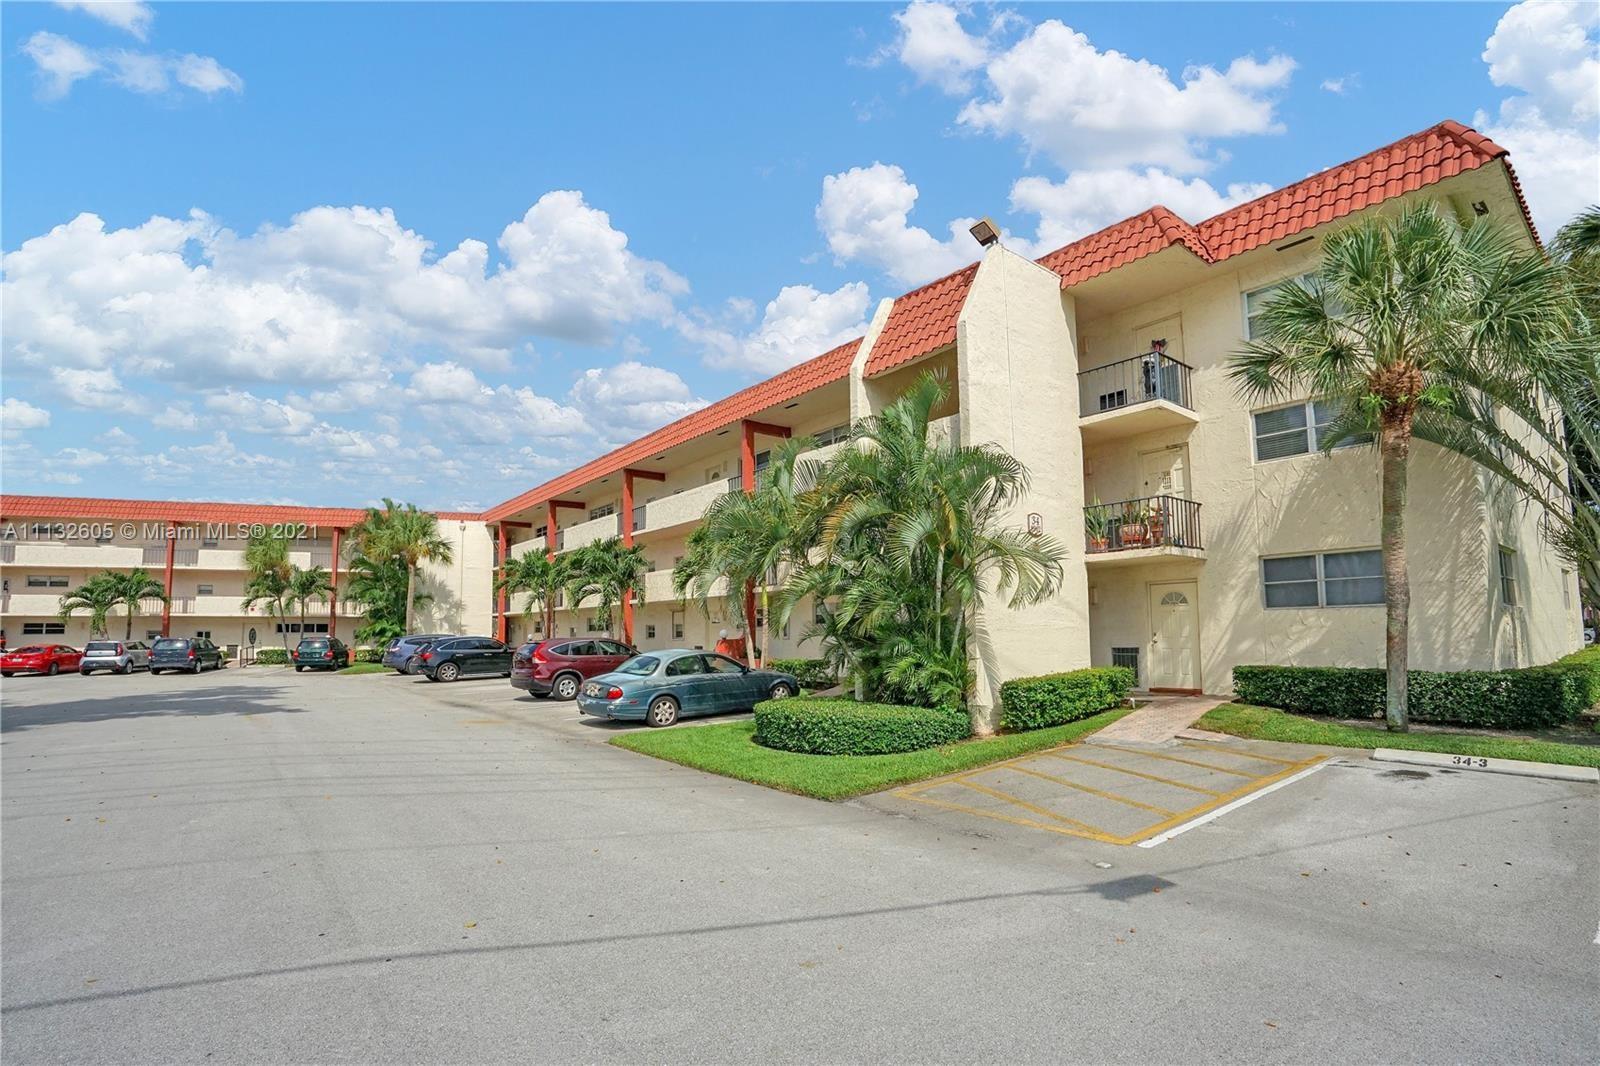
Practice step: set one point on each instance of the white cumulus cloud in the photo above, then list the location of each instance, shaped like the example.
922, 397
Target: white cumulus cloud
17, 416
132, 16
799, 323
1550, 53
60, 62
865, 215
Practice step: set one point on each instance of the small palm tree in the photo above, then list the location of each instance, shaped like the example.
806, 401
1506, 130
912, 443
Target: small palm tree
541, 578
379, 587
1405, 314
605, 570
133, 589
745, 538
97, 595
402, 532
269, 591
306, 585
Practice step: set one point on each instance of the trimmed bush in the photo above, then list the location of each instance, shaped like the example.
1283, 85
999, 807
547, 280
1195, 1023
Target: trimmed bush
366, 655
844, 727
812, 673
1586, 664
1530, 698
1055, 699
272, 657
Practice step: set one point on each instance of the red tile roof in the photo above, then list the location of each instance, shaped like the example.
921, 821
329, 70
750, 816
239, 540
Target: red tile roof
90, 508
921, 321
1409, 164
796, 381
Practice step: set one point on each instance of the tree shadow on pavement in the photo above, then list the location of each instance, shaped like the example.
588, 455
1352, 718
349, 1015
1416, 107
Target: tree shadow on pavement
202, 702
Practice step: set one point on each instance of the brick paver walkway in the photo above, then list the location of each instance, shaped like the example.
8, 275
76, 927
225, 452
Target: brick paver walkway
1163, 718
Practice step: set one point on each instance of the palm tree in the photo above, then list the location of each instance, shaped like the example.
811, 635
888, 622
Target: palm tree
306, 585
911, 531
97, 595
404, 533
132, 589
379, 587
1405, 314
606, 570
269, 591
745, 538
542, 578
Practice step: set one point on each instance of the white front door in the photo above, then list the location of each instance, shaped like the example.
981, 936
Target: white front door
1174, 635
1165, 472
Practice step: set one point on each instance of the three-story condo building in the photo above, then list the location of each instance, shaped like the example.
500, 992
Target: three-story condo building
1203, 533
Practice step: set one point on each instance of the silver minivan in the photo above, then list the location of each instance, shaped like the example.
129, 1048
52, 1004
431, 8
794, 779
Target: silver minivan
118, 656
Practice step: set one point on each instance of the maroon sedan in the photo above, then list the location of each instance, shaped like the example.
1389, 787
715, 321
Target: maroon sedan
557, 667
40, 659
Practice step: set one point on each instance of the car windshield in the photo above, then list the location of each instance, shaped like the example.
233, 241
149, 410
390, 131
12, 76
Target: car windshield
31, 649
640, 664
172, 642
313, 644
101, 645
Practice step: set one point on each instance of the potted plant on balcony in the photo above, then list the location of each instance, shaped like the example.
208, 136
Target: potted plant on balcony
1097, 527
1158, 521
1135, 525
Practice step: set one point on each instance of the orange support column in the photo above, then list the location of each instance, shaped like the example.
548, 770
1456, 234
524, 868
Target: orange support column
166, 608
550, 531
627, 539
333, 587
500, 595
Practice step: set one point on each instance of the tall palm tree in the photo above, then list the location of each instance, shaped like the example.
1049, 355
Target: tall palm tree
911, 531
402, 532
379, 587
541, 578
304, 586
133, 589
605, 570
745, 538
1405, 314
97, 595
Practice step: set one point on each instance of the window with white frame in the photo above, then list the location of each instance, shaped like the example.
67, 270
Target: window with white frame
43, 629
204, 590
1255, 301
832, 435
1326, 579
1298, 429
1508, 576
602, 511
593, 626
47, 581
650, 631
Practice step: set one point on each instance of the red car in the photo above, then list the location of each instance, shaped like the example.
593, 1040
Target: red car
557, 667
40, 659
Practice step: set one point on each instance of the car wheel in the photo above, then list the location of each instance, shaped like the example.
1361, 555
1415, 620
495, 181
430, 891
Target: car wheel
400, 670
781, 691
565, 687
128, 669
447, 672
53, 670
5, 673
298, 669
663, 712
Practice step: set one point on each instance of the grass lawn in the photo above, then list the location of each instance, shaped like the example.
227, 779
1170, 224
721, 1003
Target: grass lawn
1266, 723
730, 750
364, 668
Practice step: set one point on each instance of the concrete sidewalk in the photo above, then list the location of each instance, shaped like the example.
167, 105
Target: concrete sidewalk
1163, 718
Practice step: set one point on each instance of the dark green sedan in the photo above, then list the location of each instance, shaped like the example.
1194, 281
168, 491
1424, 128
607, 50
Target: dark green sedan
659, 687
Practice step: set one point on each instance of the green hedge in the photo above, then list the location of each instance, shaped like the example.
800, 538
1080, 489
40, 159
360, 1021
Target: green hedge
272, 657
366, 655
1586, 664
812, 673
1529, 698
844, 727
1055, 699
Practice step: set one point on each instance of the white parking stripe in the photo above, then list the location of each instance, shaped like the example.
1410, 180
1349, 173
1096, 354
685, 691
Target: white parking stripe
1162, 838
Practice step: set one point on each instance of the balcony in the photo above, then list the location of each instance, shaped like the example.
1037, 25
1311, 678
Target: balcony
1132, 396
54, 553
681, 508
1151, 527
526, 546
583, 533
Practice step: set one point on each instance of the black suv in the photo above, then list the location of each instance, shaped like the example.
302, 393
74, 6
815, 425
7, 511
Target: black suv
320, 653
193, 654
458, 657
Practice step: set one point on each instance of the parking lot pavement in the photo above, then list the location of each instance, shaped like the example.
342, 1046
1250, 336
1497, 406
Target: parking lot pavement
270, 867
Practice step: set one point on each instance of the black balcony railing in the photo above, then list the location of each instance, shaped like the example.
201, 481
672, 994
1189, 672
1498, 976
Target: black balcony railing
1142, 379
1148, 522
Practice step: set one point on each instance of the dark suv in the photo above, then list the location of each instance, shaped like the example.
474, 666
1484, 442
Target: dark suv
458, 657
558, 666
193, 654
320, 653
400, 653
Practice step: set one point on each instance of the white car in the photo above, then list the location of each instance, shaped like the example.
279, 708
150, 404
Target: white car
118, 656
1588, 634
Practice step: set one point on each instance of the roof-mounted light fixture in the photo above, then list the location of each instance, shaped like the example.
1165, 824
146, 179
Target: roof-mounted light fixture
984, 231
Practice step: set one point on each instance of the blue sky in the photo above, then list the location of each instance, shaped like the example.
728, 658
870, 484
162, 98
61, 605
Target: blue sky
322, 253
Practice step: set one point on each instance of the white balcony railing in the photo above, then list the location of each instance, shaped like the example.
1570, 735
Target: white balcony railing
686, 506
522, 548
577, 536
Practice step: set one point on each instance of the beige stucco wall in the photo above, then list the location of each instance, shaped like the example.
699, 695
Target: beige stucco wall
1017, 364
463, 589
